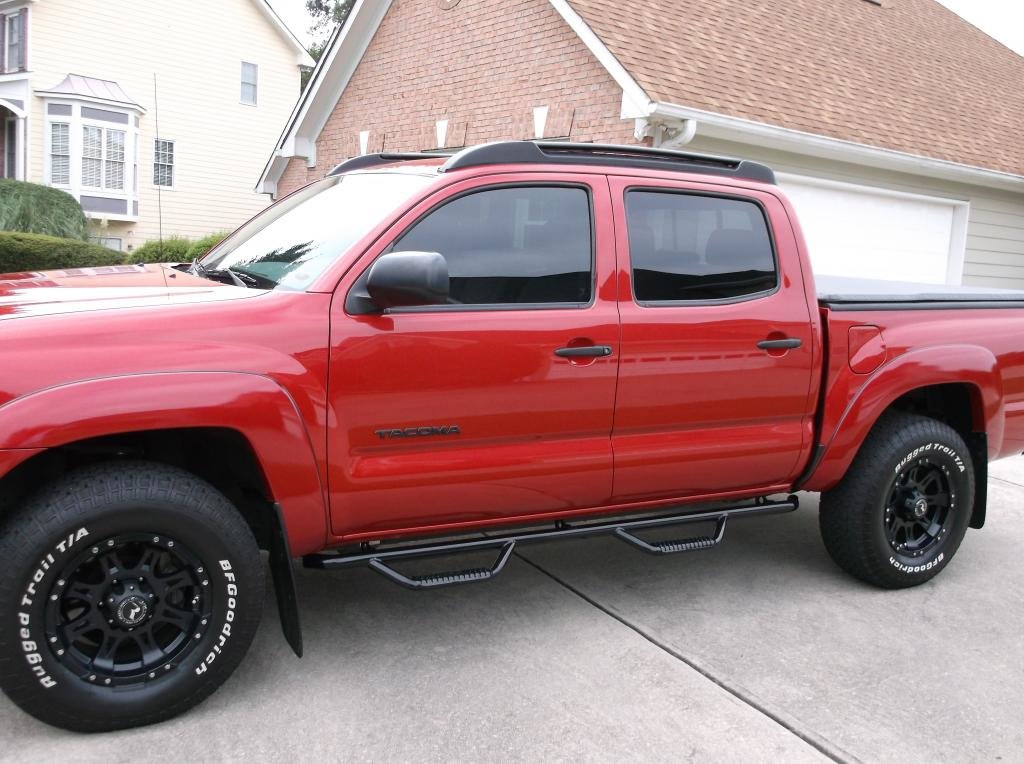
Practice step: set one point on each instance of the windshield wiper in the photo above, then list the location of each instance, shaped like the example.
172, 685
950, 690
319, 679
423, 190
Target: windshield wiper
225, 275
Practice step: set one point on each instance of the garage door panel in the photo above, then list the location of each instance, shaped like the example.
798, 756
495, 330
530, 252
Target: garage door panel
872, 233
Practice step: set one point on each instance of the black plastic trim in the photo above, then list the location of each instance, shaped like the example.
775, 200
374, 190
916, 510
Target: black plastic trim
786, 344
816, 457
368, 161
977, 443
587, 351
839, 307
284, 581
640, 157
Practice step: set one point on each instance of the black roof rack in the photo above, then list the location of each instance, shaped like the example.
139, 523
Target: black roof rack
375, 160
640, 157
556, 152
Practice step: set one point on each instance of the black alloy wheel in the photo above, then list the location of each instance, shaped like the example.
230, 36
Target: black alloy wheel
919, 513
128, 609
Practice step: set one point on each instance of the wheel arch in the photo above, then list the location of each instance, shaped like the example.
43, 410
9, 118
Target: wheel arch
241, 432
958, 385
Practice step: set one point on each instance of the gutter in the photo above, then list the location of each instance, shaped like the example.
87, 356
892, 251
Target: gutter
795, 141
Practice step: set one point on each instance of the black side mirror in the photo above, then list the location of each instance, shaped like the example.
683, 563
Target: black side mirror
408, 279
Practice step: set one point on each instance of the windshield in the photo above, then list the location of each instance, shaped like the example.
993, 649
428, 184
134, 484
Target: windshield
289, 245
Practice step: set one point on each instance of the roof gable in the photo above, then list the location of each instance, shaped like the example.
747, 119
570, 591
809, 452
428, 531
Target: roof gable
302, 57
909, 75
906, 85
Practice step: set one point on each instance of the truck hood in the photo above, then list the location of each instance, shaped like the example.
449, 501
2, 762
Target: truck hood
43, 293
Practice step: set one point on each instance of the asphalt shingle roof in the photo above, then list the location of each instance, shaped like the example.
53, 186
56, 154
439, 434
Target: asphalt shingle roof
909, 75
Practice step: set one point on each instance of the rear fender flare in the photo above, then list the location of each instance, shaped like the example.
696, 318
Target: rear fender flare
255, 406
947, 364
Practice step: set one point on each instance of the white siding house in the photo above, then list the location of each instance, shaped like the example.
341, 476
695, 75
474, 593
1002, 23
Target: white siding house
153, 115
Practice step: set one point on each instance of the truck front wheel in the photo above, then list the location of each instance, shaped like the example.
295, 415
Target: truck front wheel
898, 516
130, 592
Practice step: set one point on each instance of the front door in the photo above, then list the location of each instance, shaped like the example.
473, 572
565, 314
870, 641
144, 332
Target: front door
475, 411
704, 405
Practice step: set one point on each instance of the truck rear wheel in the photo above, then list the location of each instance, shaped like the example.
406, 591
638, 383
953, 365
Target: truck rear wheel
898, 516
130, 592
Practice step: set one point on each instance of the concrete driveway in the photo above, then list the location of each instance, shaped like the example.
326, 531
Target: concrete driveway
761, 649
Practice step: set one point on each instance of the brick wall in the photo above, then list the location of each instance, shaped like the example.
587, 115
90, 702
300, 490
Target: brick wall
483, 65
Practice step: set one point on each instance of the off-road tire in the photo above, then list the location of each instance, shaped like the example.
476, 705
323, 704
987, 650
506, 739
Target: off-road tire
108, 507
854, 515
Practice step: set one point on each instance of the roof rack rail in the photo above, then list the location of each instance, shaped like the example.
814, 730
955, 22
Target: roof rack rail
375, 160
640, 157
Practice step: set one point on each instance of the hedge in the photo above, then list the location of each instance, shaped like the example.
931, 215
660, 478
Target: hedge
173, 249
36, 252
204, 245
31, 208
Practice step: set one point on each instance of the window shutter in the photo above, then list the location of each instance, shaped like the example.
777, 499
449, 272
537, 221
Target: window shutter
3, 43
23, 64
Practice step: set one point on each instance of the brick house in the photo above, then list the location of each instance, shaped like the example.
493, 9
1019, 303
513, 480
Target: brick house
894, 125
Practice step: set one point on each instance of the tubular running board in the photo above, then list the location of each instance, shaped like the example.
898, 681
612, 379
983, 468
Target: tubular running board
506, 542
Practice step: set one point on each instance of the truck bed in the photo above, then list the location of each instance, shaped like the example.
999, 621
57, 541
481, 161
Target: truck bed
844, 293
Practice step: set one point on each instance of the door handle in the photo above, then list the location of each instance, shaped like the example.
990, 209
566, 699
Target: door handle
787, 344
588, 351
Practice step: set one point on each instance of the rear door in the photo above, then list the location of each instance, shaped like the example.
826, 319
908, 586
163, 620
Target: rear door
471, 412
717, 343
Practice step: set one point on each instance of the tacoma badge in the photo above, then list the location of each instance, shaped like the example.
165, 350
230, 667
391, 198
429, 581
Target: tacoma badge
419, 432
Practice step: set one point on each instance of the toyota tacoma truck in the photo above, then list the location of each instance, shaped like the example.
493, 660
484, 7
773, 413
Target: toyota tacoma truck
425, 356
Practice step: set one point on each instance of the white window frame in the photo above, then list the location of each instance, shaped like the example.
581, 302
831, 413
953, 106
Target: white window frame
173, 164
103, 242
104, 157
76, 121
51, 155
7, 16
255, 85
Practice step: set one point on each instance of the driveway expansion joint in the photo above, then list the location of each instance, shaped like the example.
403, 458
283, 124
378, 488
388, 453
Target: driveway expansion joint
820, 744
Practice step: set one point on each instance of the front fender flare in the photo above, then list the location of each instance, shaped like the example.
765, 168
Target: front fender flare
254, 405
947, 364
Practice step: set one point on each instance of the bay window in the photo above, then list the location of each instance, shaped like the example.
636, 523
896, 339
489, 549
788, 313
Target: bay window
102, 158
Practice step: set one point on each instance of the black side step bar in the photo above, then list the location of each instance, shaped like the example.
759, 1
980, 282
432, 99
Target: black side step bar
673, 547
435, 580
378, 559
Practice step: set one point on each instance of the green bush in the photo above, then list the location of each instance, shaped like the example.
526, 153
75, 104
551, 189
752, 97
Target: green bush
205, 244
36, 252
31, 208
173, 249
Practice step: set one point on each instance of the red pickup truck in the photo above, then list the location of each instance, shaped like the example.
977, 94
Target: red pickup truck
426, 355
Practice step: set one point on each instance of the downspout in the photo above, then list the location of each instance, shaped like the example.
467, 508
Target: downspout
673, 138
666, 134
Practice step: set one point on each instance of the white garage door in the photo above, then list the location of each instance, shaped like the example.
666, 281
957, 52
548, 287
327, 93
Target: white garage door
879, 234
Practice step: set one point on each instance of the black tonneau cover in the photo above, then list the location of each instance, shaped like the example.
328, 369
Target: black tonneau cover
844, 293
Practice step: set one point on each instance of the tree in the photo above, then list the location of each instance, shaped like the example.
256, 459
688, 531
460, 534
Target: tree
327, 15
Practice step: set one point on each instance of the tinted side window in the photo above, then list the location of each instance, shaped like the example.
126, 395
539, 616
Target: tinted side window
686, 247
508, 246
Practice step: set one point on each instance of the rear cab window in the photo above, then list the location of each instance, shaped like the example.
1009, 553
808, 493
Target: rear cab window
692, 248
